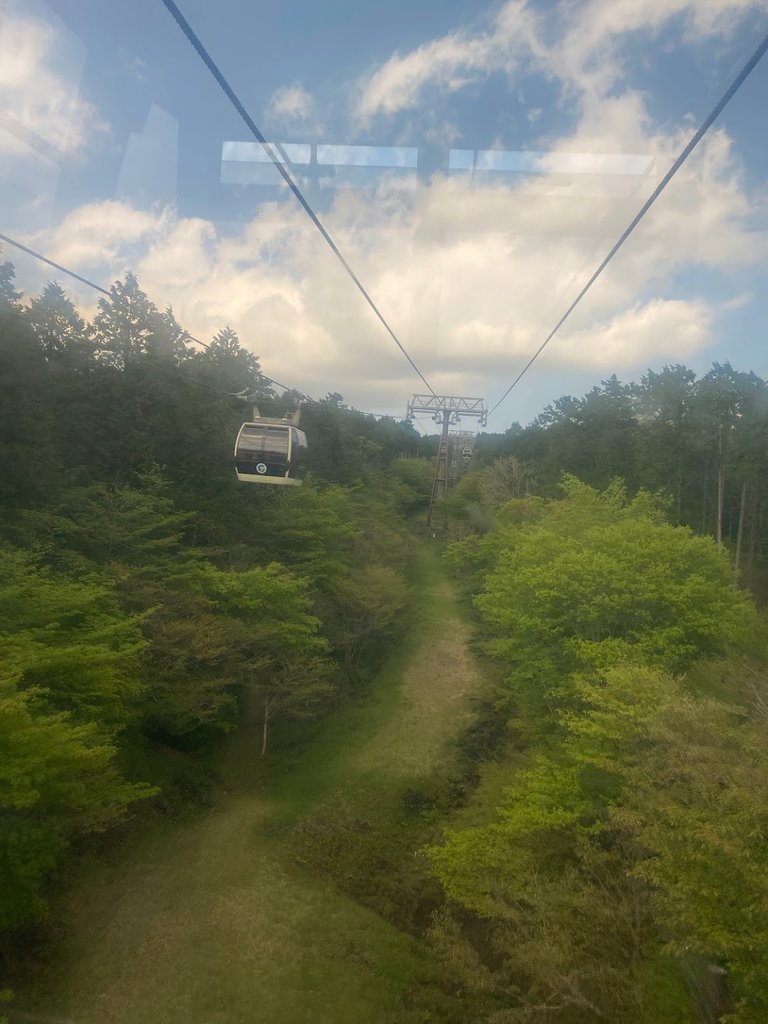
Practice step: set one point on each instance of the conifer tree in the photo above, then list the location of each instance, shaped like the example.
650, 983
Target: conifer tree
58, 326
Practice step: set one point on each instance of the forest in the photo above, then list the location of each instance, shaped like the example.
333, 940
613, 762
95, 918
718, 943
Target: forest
146, 596
594, 847
700, 441
626, 841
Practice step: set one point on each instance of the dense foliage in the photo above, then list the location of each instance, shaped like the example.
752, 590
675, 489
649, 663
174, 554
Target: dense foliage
148, 602
611, 863
625, 847
700, 441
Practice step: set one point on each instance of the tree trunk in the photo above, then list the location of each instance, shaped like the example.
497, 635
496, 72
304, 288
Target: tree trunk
752, 533
679, 495
720, 485
715, 993
740, 532
264, 730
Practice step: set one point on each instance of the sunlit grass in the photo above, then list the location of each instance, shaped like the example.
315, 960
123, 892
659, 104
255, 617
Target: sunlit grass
217, 920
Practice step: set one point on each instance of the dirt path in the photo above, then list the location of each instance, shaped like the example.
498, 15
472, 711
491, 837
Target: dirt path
208, 923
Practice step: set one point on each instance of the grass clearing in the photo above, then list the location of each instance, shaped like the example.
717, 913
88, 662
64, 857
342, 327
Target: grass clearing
215, 921
205, 923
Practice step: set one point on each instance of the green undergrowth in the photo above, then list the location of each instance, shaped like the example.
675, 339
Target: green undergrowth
301, 894
364, 830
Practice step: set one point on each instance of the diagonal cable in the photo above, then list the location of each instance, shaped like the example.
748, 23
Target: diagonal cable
105, 291
727, 96
304, 398
51, 263
229, 92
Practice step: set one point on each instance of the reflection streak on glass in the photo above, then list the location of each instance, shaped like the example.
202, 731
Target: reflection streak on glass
335, 166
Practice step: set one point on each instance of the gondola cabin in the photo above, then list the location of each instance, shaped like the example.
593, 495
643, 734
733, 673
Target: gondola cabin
270, 452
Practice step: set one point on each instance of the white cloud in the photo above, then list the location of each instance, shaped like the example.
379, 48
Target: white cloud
587, 55
103, 234
604, 20
639, 336
580, 48
291, 103
471, 279
42, 106
450, 62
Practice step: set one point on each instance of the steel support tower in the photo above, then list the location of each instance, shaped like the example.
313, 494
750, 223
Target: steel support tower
446, 410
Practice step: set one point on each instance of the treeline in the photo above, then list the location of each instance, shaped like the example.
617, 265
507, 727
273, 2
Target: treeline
612, 864
148, 602
703, 441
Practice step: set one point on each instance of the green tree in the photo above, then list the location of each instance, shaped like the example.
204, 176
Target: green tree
70, 642
130, 530
600, 580
124, 324
59, 328
689, 803
667, 451
370, 606
277, 653
169, 341
637, 836
58, 780
698, 441
719, 408
233, 367
27, 436
69, 686
10, 299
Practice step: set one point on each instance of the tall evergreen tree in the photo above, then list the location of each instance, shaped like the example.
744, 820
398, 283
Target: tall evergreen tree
125, 323
169, 341
9, 297
59, 328
233, 367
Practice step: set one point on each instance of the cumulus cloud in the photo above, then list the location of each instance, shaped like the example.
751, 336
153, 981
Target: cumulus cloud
102, 234
42, 106
471, 278
643, 334
291, 103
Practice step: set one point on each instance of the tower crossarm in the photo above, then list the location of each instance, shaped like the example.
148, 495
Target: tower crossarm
455, 406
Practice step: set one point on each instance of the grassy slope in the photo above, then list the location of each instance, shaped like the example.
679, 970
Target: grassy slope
209, 922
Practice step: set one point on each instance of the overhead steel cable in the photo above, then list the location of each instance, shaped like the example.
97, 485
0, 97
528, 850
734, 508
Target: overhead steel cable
105, 291
695, 140
51, 263
186, 28
245, 395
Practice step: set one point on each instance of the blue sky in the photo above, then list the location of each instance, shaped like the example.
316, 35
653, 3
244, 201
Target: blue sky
476, 162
